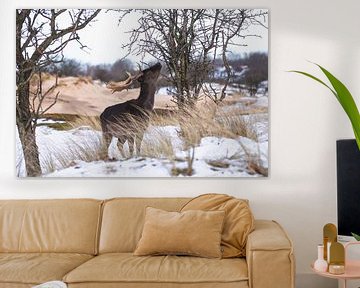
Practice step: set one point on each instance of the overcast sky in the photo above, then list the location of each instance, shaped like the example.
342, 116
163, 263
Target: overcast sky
105, 38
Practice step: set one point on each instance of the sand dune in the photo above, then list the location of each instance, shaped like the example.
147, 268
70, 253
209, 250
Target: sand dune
83, 96
86, 97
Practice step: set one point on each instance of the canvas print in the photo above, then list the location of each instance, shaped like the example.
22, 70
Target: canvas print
142, 93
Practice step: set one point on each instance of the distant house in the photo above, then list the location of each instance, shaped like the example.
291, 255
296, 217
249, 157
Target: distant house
221, 73
262, 89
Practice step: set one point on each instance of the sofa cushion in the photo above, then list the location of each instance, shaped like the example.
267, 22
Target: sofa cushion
63, 226
238, 223
123, 220
127, 268
193, 232
36, 268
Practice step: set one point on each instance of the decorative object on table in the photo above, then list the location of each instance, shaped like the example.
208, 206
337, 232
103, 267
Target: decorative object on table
344, 97
337, 258
336, 269
320, 264
52, 284
329, 236
341, 267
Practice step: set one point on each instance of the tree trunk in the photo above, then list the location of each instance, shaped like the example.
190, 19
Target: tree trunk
25, 126
30, 150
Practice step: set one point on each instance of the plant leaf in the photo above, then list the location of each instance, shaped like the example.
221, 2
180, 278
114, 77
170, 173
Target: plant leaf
344, 97
314, 78
357, 237
347, 102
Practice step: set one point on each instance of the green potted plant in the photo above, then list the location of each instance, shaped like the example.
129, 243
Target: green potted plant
346, 100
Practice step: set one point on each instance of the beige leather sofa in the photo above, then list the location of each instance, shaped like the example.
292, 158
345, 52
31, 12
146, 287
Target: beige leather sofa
89, 243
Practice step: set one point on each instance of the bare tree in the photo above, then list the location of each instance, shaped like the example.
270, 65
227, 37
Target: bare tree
40, 39
187, 41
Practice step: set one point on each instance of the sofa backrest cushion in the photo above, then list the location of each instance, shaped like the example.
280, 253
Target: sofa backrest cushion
123, 220
64, 226
238, 224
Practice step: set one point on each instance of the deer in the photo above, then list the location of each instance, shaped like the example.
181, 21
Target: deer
129, 120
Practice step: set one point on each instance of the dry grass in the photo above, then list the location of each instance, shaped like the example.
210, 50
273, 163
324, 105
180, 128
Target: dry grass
194, 124
87, 151
218, 164
83, 120
188, 170
255, 168
158, 146
207, 120
34, 80
83, 80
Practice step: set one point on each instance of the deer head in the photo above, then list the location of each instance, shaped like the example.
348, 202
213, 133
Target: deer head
122, 85
151, 74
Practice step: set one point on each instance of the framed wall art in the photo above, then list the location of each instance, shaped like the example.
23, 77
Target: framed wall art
142, 93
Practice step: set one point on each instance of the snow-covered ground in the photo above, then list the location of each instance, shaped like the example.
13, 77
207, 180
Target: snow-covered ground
214, 157
45, 121
230, 90
75, 152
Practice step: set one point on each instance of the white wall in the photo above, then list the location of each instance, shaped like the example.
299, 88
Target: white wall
305, 121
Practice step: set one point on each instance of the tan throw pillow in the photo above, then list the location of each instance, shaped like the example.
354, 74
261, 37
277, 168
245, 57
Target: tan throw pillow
239, 220
196, 233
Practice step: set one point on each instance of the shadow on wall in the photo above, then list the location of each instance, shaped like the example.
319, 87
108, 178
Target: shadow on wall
315, 281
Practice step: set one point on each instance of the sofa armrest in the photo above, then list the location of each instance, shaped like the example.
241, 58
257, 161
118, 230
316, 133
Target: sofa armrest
269, 256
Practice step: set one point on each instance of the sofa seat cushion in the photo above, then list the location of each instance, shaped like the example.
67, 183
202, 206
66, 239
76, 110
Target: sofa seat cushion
127, 268
36, 268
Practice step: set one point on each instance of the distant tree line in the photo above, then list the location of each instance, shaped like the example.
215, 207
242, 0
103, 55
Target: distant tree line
256, 63
102, 72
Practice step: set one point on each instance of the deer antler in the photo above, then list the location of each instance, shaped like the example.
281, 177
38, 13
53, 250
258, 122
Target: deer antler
122, 85
119, 86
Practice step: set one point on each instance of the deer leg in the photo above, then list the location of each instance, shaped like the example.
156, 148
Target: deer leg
106, 140
131, 145
120, 144
138, 139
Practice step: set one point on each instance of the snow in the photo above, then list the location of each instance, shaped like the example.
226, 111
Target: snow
56, 147
45, 121
54, 144
133, 167
168, 90
215, 148
74, 153
230, 90
262, 101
